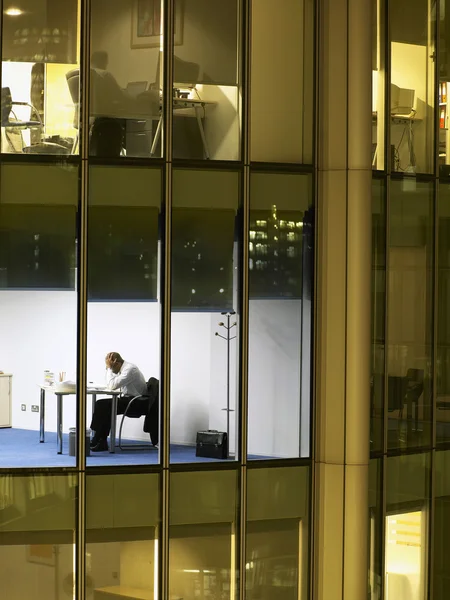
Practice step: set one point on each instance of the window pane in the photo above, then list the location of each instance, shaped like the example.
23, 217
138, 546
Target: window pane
378, 313
122, 537
40, 46
203, 561
277, 533
410, 314
441, 525
406, 553
38, 309
124, 310
280, 311
206, 80
281, 81
443, 89
204, 349
443, 324
378, 83
375, 529
412, 47
37, 532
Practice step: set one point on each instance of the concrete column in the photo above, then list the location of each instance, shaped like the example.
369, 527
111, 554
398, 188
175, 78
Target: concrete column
343, 300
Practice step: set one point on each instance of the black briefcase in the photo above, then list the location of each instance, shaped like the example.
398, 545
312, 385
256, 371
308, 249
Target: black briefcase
212, 444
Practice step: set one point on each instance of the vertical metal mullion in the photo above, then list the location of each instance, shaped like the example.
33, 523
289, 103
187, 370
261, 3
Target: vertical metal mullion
166, 286
387, 88
82, 233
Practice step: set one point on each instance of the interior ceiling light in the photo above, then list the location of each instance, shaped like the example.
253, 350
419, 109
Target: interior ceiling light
13, 12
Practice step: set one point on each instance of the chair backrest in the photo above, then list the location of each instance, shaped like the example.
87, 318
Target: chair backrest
73, 83
153, 388
6, 107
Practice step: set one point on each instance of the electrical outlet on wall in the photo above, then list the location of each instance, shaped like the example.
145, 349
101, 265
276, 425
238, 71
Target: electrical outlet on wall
34, 408
23, 407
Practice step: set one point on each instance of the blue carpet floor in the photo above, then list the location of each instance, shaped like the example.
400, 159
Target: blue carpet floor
21, 448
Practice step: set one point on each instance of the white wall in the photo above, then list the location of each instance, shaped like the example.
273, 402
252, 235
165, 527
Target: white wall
39, 332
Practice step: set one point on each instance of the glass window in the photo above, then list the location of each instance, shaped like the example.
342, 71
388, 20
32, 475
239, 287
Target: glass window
406, 526
378, 83
125, 77
441, 526
281, 81
443, 321
410, 302
204, 348
123, 313
281, 263
37, 532
375, 529
277, 533
38, 312
122, 536
443, 89
40, 47
203, 561
378, 314
206, 110
412, 47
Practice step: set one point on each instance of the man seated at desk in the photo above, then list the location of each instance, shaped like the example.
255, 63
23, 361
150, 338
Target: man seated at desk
122, 375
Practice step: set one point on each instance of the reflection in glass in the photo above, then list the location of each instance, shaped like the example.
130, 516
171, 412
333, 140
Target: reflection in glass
281, 81
378, 313
204, 291
123, 293
39, 45
375, 525
37, 531
406, 527
38, 306
202, 530
125, 78
280, 312
122, 537
378, 83
206, 122
443, 321
277, 533
441, 526
412, 50
410, 314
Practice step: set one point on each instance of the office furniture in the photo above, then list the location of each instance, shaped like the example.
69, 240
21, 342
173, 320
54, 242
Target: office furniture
93, 392
150, 412
405, 392
116, 592
5, 400
13, 124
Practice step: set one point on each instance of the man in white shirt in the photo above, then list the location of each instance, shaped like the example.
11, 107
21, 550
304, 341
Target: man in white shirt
125, 376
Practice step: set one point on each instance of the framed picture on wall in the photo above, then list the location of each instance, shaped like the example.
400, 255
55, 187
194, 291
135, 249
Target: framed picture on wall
41, 554
147, 25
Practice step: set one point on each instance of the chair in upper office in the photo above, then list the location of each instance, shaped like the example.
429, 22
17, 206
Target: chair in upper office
404, 392
12, 127
150, 410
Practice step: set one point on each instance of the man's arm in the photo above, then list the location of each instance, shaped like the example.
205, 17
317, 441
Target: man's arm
115, 382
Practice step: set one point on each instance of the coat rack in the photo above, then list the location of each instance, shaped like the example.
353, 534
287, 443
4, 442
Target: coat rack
227, 337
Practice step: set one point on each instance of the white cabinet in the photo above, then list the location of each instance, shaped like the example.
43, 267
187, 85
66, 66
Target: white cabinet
5, 400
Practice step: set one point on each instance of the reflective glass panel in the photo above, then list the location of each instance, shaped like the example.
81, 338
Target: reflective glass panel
202, 529
406, 526
378, 314
125, 75
277, 533
206, 111
441, 547
412, 49
204, 347
37, 536
375, 529
38, 312
123, 314
378, 83
122, 537
281, 81
281, 259
443, 88
443, 320
39, 48
410, 302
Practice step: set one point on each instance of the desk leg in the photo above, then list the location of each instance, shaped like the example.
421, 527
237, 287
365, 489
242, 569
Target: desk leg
112, 436
94, 400
198, 114
42, 418
156, 138
59, 422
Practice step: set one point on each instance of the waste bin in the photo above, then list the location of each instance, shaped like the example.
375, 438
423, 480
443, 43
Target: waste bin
73, 441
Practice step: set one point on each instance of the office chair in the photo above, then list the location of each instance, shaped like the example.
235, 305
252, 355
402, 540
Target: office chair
15, 125
149, 409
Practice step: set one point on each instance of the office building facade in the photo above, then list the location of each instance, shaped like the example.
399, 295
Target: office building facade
248, 201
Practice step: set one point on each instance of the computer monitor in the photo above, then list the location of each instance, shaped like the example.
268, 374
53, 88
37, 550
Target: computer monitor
134, 88
402, 100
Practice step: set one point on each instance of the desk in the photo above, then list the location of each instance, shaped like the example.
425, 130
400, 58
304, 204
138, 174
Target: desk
59, 412
114, 592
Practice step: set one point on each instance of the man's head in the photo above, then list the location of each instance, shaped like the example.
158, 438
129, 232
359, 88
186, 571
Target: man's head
114, 361
99, 60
